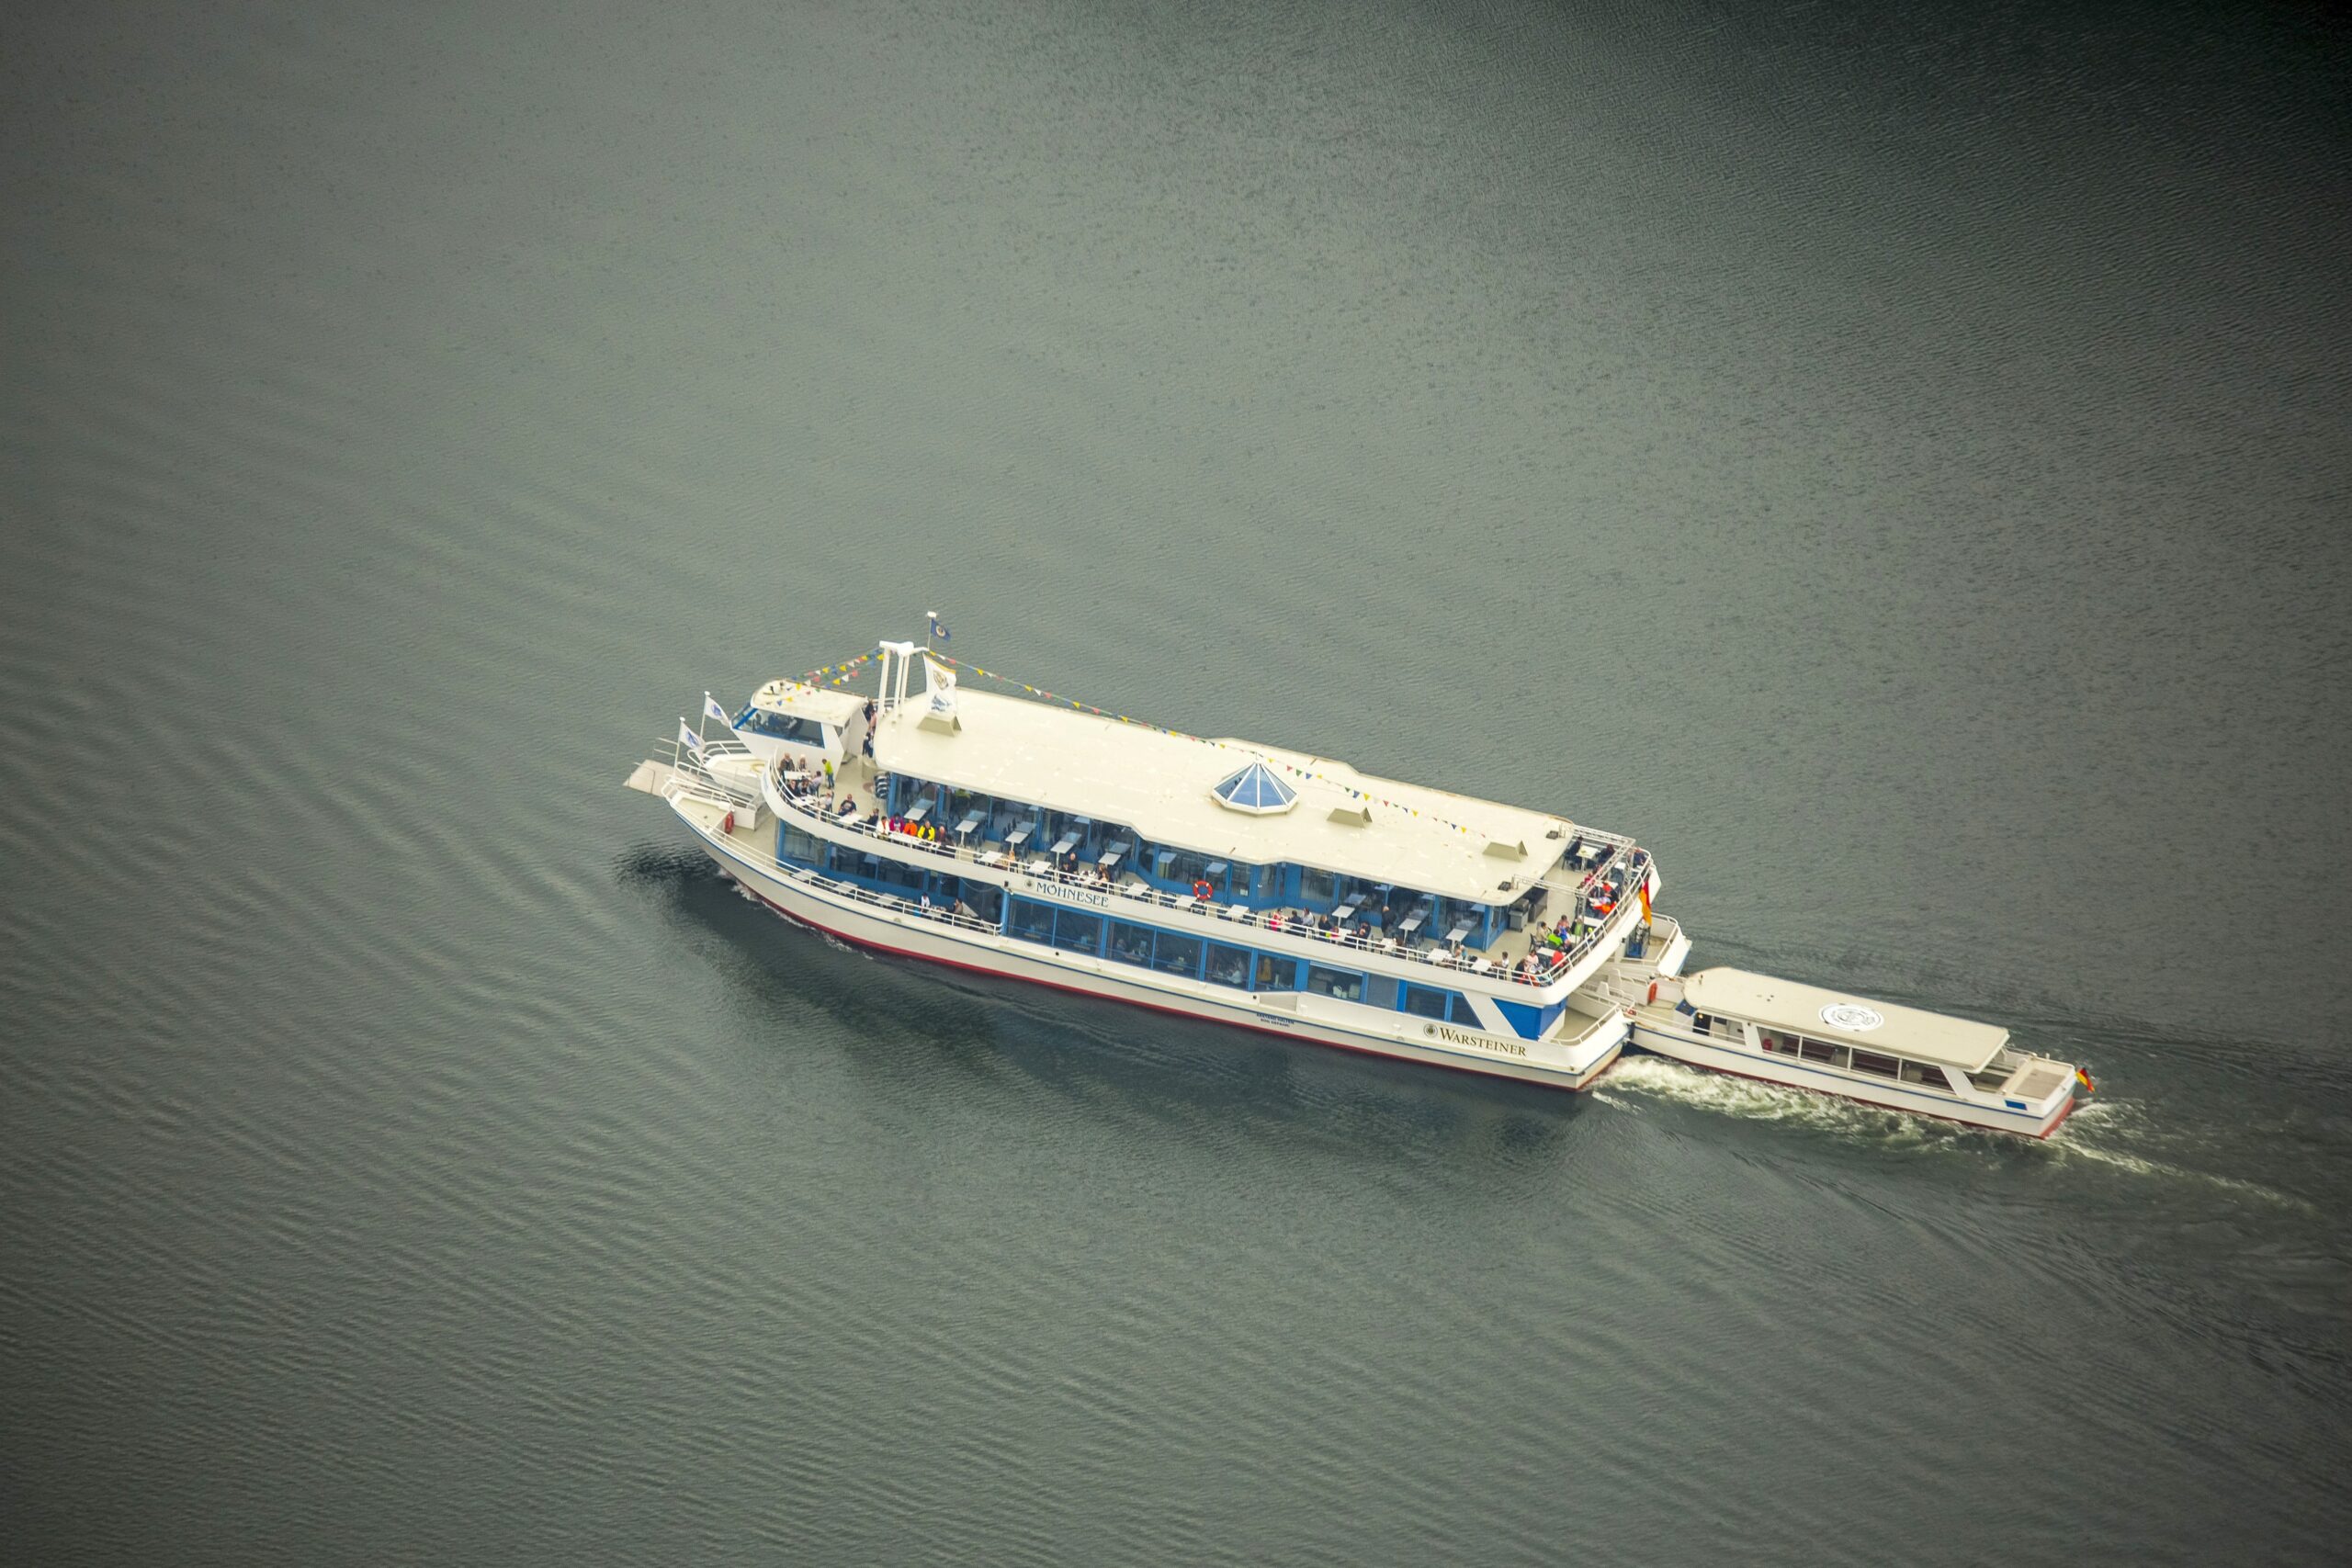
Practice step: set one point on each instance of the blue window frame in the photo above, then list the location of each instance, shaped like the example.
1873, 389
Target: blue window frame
1130, 944
1177, 955
1339, 984
1228, 965
1276, 972
1077, 931
1031, 922
985, 899
1423, 1002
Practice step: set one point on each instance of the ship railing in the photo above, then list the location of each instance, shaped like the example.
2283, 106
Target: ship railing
945, 914
805, 796
698, 780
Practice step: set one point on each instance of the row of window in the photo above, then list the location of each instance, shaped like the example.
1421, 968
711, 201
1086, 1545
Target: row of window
1147, 947
982, 900
1923, 1075
1192, 957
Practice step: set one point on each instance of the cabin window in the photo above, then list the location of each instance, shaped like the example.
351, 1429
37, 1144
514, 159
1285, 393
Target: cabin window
1075, 931
806, 847
783, 726
1318, 889
1031, 922
1177, 955
1815, 1050
1228, 965
1276, 973
1338, 983
1422, 1002
1925, 1076
1778, 1044
1379, 991
1464, 1014
1872, 1063
1130, 944
1182, 867
984, 900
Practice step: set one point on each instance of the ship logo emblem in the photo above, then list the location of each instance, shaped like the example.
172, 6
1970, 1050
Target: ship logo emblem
1851, 1015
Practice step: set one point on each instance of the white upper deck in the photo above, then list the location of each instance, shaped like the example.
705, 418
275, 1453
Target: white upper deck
1848, 1020
1159, 784
798, 700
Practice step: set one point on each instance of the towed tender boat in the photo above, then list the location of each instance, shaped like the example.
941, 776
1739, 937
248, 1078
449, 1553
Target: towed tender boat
1903, 1058
1048, 841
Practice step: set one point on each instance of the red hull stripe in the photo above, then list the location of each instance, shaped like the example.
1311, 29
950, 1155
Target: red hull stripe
1151, 1007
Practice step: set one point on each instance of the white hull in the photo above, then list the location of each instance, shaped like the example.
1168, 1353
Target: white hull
2038, 1119
1577, 1051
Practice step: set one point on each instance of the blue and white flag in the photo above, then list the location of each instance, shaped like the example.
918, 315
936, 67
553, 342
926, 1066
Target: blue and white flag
687, 738
710, 706
937, 630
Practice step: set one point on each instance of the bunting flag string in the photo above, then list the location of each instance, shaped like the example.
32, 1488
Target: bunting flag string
839, 673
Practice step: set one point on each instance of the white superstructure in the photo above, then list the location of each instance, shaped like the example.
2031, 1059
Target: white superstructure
1217, 879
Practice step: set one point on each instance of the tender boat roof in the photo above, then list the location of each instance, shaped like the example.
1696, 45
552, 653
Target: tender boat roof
798, 700
1810, 1011
1159, 784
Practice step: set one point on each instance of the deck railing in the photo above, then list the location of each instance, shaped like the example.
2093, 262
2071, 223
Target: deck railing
803, 795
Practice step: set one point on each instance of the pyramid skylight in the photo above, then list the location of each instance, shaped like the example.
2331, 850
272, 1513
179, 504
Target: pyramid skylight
1256, 791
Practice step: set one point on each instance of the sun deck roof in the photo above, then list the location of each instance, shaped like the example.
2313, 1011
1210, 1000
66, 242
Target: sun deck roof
1164, 786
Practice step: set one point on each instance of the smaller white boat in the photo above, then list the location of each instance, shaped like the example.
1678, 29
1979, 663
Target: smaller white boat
1903, 1058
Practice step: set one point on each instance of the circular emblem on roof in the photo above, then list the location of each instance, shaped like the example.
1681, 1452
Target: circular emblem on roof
1851, 1015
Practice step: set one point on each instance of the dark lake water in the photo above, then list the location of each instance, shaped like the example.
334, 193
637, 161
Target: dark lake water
1896, 461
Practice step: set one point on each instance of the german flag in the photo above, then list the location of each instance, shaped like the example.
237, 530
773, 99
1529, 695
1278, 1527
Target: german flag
2085, 1078
1646, 900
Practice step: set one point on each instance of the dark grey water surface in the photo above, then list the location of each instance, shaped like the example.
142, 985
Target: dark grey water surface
1894, 461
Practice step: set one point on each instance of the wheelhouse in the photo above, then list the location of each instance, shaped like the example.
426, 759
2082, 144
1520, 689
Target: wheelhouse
810, 725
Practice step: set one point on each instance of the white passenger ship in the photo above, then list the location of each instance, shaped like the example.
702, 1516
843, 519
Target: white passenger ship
1214, 879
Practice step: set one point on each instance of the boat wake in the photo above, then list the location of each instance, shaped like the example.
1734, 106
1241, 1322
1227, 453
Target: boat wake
2110, 1132
2105, 1131
1640, 1077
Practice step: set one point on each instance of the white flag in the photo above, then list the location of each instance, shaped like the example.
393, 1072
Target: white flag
710, 706
686, 736
940, 686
